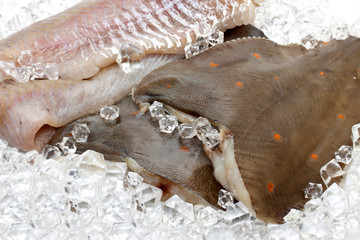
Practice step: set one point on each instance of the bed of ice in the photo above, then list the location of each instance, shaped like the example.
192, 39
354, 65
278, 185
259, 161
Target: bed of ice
86, 197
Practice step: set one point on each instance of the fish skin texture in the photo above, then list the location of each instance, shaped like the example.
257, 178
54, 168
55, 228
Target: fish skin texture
81, 40
180, 162
283, 104
29, 112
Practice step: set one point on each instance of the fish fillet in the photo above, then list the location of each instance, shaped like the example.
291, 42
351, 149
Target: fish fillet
86, 37
30, 111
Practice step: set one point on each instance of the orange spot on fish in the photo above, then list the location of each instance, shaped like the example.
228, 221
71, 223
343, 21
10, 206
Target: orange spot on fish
324, 43
256, 55
277, 137
277, 78
270, 187
135, 113
239, 84
314, 156
322, 73
213, 64
168, 85
184, 149
340, 116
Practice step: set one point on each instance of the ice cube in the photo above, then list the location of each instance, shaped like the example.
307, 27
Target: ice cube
192, 49
131, 180
110, 112
156, 110
187, 130
225, 199
38, 71
168, 123
52, 71
216, 37
23, 74
355, 28
211, 139
343, 155
176, 212
25, 58
309, 41
313, 190
330, 170
337, 200
340, 31
201, 125
51, 151
206, 216
80, 132
67, 145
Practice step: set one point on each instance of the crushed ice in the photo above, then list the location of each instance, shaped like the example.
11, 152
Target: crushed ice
76, 198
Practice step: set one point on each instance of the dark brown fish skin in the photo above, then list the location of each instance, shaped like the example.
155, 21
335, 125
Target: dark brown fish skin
243, 31
177, 162
289, 109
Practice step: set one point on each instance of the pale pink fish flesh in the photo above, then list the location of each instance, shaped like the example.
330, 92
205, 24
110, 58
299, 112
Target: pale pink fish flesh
84, 38
30, 111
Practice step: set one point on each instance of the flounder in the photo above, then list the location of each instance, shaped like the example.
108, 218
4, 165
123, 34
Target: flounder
175, 165
283, 111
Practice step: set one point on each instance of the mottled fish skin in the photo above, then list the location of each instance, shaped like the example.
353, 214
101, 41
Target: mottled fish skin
288, 109
30, 111
81, 39
181, 163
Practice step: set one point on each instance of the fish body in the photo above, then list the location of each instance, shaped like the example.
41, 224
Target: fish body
87, 37
287, 111
29, 112
175, 165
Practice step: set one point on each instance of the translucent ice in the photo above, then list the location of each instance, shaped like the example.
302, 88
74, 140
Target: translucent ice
80, 132
156, 110
176, 212
187, 130
313, 190
343, 155
225, 199
50, 151
25, 58
67, 145
199, 46
110, 113
132, 180
168, 123
330, 170
52, 71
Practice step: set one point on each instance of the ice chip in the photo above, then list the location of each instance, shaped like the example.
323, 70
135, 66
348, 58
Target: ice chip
168, 123
93, 162
23, 74
309, 41
225, 199
151, 196
355, 137
192, 49
80, 132
201, 125
313, 190
67, 145
216, 37
294, 216
329, 171
38, 71
51, 151
52, 71
128, 57
176, 212
340, 31
156, 110
211, 139
207, 216
314, 228
283, 231
343, 155
131, 180
3, 143
110, 113
337, 200
25, 58
322, 33
355, 28
187, 130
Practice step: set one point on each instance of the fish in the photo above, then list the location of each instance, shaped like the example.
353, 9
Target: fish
282, 112
173, 164
30, 112
87, 37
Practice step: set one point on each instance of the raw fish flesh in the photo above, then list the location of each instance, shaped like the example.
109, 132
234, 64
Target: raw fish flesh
88, 36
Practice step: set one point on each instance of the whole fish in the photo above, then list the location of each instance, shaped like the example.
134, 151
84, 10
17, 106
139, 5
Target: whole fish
87, 37
175, 165
282, 111
30, 112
